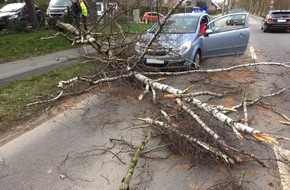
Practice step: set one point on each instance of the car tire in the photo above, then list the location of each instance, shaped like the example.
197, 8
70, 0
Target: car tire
265, 29
196, 60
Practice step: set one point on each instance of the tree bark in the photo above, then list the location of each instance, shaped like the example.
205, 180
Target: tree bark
31, 12
134, 160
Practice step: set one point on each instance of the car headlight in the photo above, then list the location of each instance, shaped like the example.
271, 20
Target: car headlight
13, 16
184, 47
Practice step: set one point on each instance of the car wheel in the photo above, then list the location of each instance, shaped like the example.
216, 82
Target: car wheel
265, 29
196, 60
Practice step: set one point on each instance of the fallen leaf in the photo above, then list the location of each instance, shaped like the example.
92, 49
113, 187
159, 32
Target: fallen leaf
62, 176
69, 105
192, 185
161, 79
169, 96
265, 138
251, 173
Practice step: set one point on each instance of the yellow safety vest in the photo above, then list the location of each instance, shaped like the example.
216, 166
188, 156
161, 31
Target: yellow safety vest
84, 9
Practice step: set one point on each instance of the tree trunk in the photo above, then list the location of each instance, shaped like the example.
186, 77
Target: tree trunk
31, 12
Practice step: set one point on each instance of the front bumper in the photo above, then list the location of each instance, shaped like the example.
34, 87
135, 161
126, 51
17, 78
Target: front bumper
278, 26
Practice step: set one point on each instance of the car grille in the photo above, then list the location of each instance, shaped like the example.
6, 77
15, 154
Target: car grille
156, 52
56, 14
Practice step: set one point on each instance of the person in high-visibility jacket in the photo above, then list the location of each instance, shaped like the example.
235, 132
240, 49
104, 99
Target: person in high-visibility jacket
76, 11
84, 14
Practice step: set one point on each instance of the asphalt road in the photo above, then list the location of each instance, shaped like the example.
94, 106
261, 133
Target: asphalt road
20, 69
73, 150
273, 46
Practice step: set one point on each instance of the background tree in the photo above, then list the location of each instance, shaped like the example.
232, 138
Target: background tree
31, 12
259, 7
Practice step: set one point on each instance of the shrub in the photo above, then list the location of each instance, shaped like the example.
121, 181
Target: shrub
17, 25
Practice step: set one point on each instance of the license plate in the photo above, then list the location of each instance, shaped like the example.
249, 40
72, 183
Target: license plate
154, 61
279, 20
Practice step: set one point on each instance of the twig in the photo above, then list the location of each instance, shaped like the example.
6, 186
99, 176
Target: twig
124, 142
106, 179
195, 142
134, 160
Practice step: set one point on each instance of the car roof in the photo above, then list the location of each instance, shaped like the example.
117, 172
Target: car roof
13, 6
279, 11
197, 14
152, 12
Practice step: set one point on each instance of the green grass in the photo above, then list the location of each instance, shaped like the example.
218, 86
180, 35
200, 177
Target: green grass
135, 28
15, 96
24, 45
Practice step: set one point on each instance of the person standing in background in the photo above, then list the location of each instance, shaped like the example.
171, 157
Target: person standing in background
84, 14
76, 11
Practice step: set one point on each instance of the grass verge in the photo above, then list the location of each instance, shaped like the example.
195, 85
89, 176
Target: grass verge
15, 96
29, 44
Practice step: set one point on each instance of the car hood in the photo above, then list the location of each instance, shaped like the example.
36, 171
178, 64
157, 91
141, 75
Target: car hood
170, 40
7, 14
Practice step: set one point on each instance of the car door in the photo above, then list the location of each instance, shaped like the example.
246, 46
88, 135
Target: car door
226, 35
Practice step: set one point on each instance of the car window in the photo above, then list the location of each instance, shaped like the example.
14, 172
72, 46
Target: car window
60, 3
99, 7
280, 14
228, 23
183, 24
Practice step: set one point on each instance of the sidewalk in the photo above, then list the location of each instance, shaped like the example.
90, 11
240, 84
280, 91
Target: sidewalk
21, 69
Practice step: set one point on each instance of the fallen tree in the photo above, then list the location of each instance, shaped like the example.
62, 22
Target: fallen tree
194, 126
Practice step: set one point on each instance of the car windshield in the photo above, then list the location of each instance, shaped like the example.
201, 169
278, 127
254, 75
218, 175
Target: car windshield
59, 3
177, 24
14, 7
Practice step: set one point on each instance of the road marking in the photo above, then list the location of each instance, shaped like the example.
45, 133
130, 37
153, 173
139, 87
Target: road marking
253, 54
284, 169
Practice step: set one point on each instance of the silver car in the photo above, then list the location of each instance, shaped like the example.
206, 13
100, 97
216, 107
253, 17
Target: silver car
182, 44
